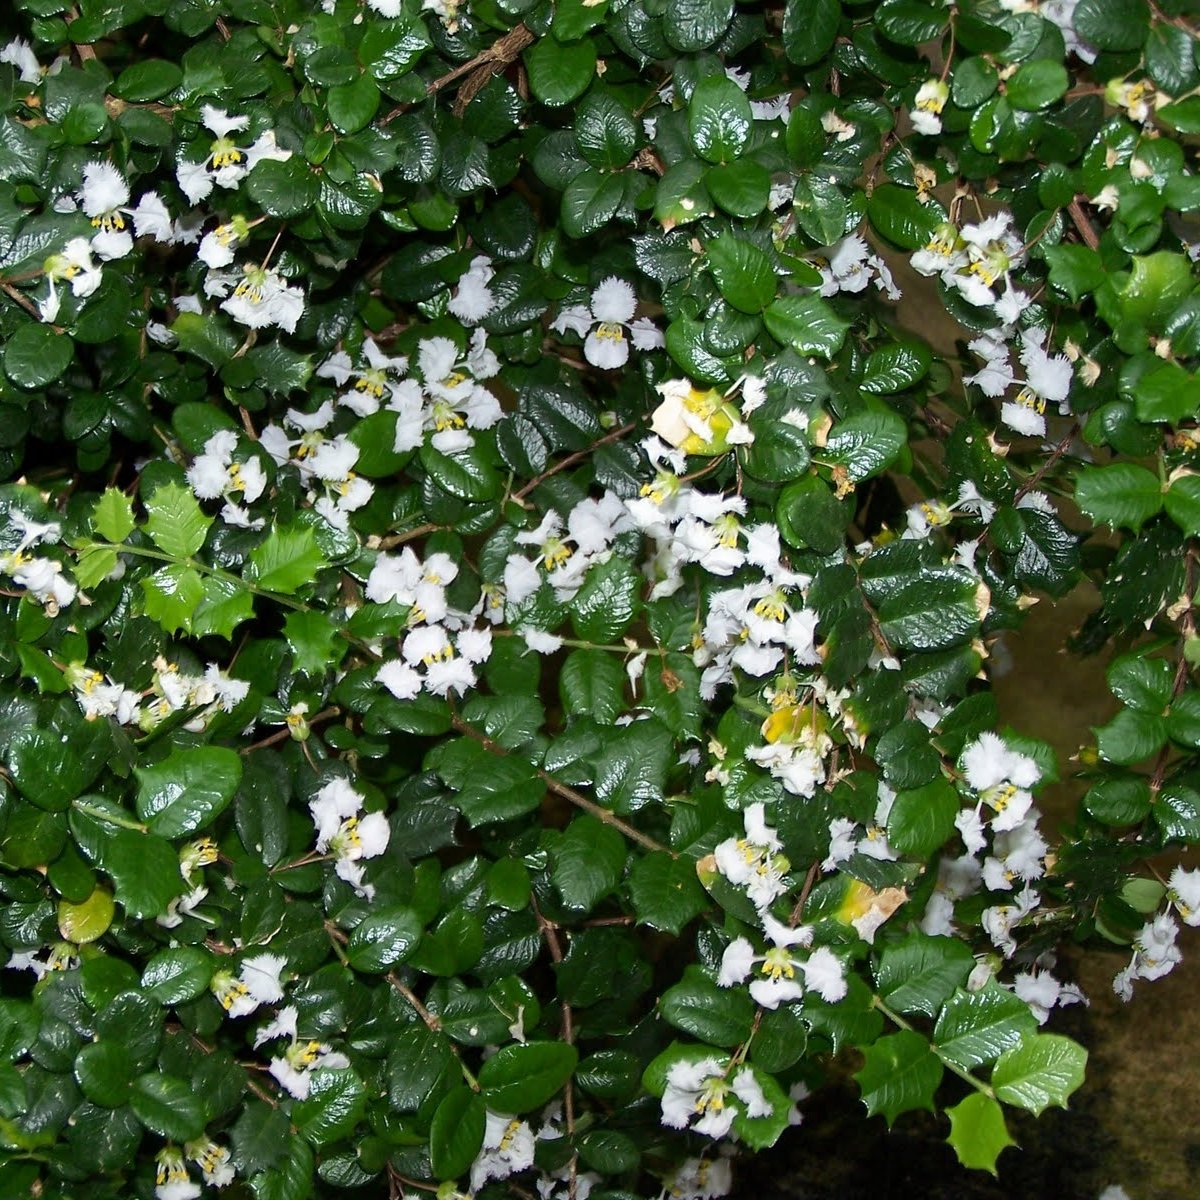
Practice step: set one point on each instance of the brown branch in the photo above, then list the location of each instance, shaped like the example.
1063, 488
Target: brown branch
500, 54
550, 932
567, 793
283, 734
1083, 224
571, 459
1187, 630
1048, 465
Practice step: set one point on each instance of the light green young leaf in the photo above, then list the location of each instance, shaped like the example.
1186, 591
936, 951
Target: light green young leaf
175, 521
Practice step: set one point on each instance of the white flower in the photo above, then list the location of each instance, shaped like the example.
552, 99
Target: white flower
1001, 777
171, 1180
755, 862
927, 107
473, 299
698, 1179
1154, 954
1183, 891
227, 163
257, 983
698, 1094
293, 1069
343, 833
1042, 992
260, 298
73, 264
999, 920
212, 1159
215, 473
372, 377
18, 54
151, 219
507, 1148
1048, 381
104, 197
603, 325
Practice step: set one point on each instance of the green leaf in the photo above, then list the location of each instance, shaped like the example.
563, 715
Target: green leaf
283, 189
104, 1072
144, 871
336, 1103
288, 560
1123, 494
811, 516
175, 521
719, 119
224, 604
456, 1133
605, 131
1183, 719
177, 975
1043, 1070
384, 939
589, 860
632, 767
920, 972
469, 475
87, 920
1037, 84
607, 602
977, 1132
910, 22
590, 201
807, 324
809, 29
171, 595
691, 25
1113, 24
312, 638
351, 106
899, 1073
743, 273
522, 1077
49, 768
1076, 270
35, 355
741, 188
1130, 736
592, 683
898, 215
168, 1106
292, 1178
716, 1016
112, 518
1167, 393
896, 367
150, 79
866, 443
1140, 682
1177, 812
665, 892
1182, 502
560, 72
977, 1027
1119, 801
921, 820
1170, 58
188, 789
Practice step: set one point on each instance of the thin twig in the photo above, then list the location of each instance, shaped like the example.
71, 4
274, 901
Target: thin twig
283, 734
567, 793
571, 459
1083, 224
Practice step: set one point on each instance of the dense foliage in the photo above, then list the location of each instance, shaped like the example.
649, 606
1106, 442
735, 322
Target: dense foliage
497, 592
